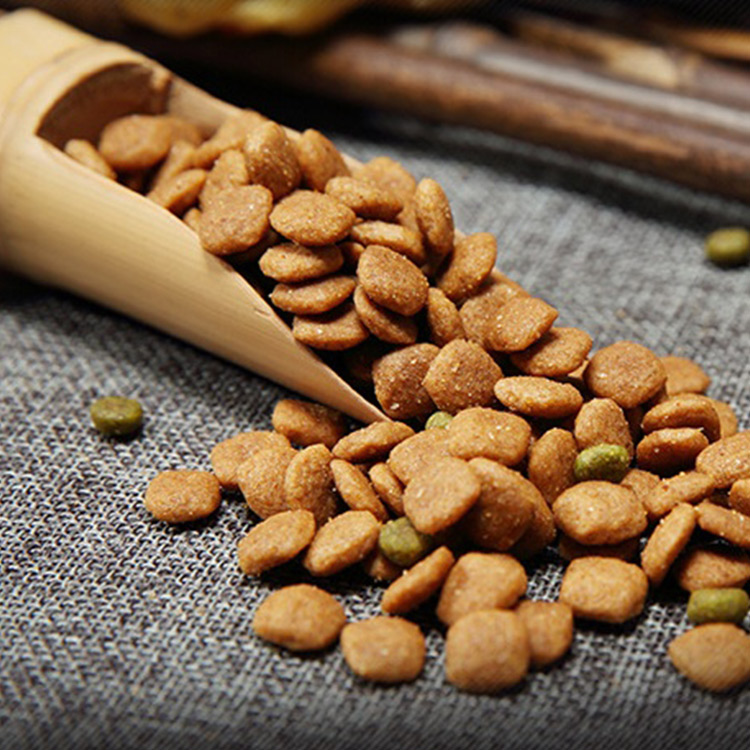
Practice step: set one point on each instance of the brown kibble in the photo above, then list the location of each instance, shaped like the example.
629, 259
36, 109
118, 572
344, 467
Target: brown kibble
714, 567
667, 541
399, 239
626, 372
235, 220
380, 568
728, 422
271, 160
308, 483
227, 455
604, 589
312, 219
487, 652
193, 218
85, 153
384, 649
726, 523
300, 618
373, 442
599, 421
684, 376
180, 192
641, 482
739, 496
479, 312
184, 130
462, 375
230, 135
355, 489
726, 460
313, 297
599, 513
715, 657
570, 549
398, 376
389, 488
684, 410
688, 487
390, 175
179, 159
352, 252
538, 397
334, 331
441, 494
291, 263
305, 423
443, 318
343, 541
487, 433
366, 199
469, 265
418, 583
135, 142
519, 323
414, 454
434, 217
183, 496
550, 629
551, 461
386, 325
275, 541
540, 532
392, 281
480, 581
261, 480
229, 171
319, 159
558, 352
671, 450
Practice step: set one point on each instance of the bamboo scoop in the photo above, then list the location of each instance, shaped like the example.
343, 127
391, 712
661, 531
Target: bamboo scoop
64, 225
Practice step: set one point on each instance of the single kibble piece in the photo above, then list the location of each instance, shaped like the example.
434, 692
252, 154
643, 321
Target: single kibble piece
416, 453
726, 523
443, 318
398, 377
135, 142
487, 652
434, 217
389, 488
481, 581
271, 160
519, 323
177, 194
671, 450
343, 541
179, 159
400, 239
333, 331
308, 483
604, 589
439, 495
300, 618
401, 543
230, 135
739, 496
367, 200
570, 549
85, 153
540, 532
667, 541
728, 247
538, 397
183, 496
726, 460
116, 416
557, 353
390, 175
373, 442
275, 541
479, 311
715, 657
261, 480
315, 296
355, 489
688, 487
438, 420
551, 463
609, 463
227, 455
386, 325
550, 629
193, 218
418, 583
384, 649
641, 482
469, 265
312, 219
727, 418
713, 567
486, 433
380, 568
684, 376
684, 410
304, 423
289, 263
601, 420
229, 171
391, 280
319, 159
718, 605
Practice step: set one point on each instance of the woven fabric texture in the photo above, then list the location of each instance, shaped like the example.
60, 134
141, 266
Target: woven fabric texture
117, 631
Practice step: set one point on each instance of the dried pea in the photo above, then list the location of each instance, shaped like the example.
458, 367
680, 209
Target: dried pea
116, 416
438, 420
718, 605
728, 247
606, 462
402, 544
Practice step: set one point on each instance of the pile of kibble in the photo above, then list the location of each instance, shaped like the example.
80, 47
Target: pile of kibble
511, 436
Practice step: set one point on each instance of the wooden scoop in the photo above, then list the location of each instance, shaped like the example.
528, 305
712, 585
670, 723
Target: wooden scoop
64, 225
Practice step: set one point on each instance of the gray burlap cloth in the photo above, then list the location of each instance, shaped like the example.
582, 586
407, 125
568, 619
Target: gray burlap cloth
117, 631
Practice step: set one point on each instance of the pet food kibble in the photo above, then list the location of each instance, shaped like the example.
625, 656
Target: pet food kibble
392, 281
487, 652
519, 323
559, 352
462, 375
599, 513
332, 331
380, 568
601, 420
179, 159
715, 657
604, 589
480, 581
355, 489
551, 463
312, 219
373, 442
641, 482
261, 480
390, 175
469, 265
478, 312
739, 496
540, 532
434, 217
383, 323
504, 509
275, 541
726, 523
367, 200
304, 423
343, 541
313, 297
230, 135
401, 543
688, 487
438, 420
116, 416
570, 549
414, 454
319, 159
400, 239
728, 247
235, 220
684, 376
229, 171
388, 487
85, 153
135, 142
271, 160
716, 566
684, 410
193, 218
300, 618
726, 460
384, 649
418, 583
667, 541
308, 483
486, 433
610, 463
718, 605
671, 450
538, 397
183, 496
180, 192
290, 263
227, 455
626, 372
550, 629
728, 422
443, 318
